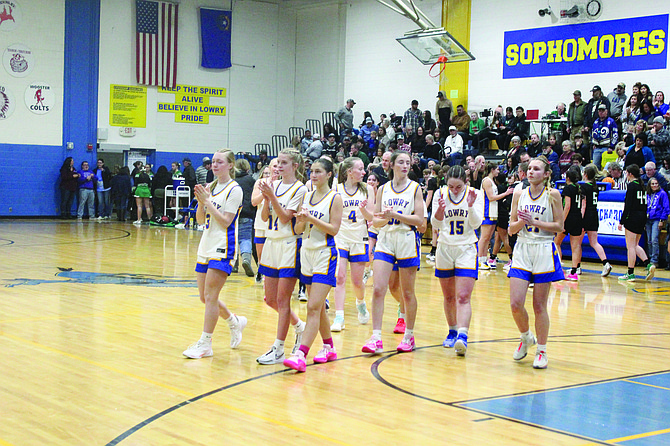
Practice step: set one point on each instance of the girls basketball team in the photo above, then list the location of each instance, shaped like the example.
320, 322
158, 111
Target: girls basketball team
314, 235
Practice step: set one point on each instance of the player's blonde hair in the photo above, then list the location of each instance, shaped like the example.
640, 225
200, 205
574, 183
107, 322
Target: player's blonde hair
230, 158
296, 158
344, 167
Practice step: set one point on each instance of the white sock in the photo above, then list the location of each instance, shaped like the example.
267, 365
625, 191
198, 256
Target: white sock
339, 313
401, 315
453, 327
358, 302
463, 330
299, 325
377, 334
232, 320
542, 348
207, 337
279, 344
409, 333
526, 335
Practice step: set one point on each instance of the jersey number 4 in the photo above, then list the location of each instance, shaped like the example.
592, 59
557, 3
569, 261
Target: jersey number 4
352, 216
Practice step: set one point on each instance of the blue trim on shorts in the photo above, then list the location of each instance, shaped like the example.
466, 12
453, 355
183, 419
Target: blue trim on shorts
552, 276
398, 263
372, 235
357, 258
259, 240
489, 222
283, 273
330, 278
222, 265
456, 272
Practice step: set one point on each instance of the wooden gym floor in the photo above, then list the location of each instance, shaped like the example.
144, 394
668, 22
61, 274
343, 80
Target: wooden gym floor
94, 317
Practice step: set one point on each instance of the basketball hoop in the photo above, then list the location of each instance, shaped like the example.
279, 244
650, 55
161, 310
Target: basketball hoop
440, 60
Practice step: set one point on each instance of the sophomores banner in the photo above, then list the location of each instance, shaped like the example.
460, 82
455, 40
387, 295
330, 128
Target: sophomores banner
616, 45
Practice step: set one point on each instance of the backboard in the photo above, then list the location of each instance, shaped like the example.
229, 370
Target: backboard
429, 45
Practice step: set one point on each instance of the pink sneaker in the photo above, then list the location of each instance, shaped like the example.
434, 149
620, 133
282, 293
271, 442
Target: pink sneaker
406, 345
374, 346
326, 354
399, 326
296, 361
492, 263
572, 277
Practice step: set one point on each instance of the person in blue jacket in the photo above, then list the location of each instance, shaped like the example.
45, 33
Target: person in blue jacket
658, 209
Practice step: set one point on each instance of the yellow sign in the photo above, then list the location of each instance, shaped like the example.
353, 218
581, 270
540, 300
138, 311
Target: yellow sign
191, 103
127, 106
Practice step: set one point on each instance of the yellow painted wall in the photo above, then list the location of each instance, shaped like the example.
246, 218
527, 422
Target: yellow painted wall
454, 79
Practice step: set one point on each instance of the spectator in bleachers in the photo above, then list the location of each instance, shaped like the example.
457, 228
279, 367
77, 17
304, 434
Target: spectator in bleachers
604, 134
382, 171
534, 148
615, 177
344, 118
443, 111
518, 127
413, 117
401, 144
345, 146
439, 137
640, 127
382, 136
372, 145
475, 127
591, 110
366, 114
630, 114
453, 147
315, 148
559, 128
636, 89
515, 151
368, 128
659, 104
646, 94
565, 160
477, 173
462, 122
396, 121
576, 112
201, 172
639, 154
617, 100
410, 135
650, 172
554, 144
503, 128
306, 140
578, 160
330, 146
419, 142
433, 150
429, 124
665, 168
357, 152
647, 112
549, 153
659, 138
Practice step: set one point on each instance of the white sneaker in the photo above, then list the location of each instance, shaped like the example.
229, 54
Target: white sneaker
236, 331
492, 263
484, 266
299, 330
200, 349
579, 270
541, 360
507, 266
430, 257
138, 222
607, 268
363, 313
302, 297
273, 356
522, 349
100, 218
338, 324
201, 228
179, 226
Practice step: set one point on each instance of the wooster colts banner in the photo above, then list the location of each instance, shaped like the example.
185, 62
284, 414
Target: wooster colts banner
615, 45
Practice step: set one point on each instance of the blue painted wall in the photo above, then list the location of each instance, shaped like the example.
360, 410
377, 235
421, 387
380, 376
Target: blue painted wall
35, 191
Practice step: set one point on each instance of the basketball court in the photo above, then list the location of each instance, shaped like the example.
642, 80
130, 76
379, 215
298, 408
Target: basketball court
95, 316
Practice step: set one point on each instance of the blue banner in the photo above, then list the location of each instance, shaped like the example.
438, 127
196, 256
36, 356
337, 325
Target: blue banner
616, 45
215, 28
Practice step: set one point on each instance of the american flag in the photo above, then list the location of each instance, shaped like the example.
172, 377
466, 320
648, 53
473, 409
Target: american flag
156, 43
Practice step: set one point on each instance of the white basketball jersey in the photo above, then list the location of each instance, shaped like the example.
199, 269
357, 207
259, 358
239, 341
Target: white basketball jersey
354, 228
218, 242
456, 228
401, 201
541, 209
314, 238
290, 197
491, 207
258, 222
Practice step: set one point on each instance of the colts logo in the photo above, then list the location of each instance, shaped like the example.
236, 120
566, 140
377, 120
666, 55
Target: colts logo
6, 15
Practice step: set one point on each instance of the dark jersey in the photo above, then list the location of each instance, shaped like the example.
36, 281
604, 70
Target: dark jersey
635, 205
590, 191
572, 191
